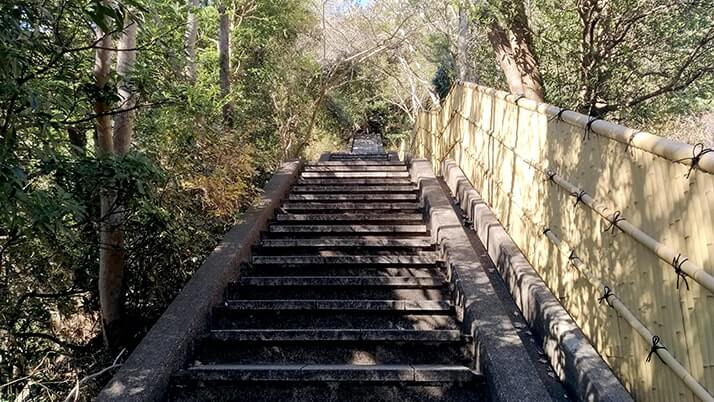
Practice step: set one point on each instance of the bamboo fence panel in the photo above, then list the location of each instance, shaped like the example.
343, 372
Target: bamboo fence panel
508, 146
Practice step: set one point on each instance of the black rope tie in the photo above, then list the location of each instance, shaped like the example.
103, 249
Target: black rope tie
546, 230
559, 115
696, 157
607, 292
677, 264
628, 146
616, 218
653, 350
589, 128
551, 176
573, 256
519, 97
578, 197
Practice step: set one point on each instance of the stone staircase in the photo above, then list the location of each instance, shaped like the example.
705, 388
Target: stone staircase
345, 298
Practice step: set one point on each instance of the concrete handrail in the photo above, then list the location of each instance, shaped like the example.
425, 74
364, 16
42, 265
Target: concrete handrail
146, 374
500, 353
574, 359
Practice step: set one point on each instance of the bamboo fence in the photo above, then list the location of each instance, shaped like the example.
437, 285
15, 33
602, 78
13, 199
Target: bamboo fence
637, 208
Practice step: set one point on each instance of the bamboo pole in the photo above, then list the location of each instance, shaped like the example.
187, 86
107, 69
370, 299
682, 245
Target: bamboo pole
646, 334
663, 251
672, 150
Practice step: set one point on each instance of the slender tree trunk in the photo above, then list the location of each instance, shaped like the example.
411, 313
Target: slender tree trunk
513, 44
191, 36
109, 260
111, 252
224, 60
124, 121
102, 68
463, 65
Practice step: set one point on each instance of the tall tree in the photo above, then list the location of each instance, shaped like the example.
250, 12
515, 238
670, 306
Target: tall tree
643, 59
112, 143
224, 60
111, 259
615, 31
512, 41
191, 37
463, 62
126, 57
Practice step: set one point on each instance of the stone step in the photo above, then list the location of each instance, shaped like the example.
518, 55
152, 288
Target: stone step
353, 175
419, 271
353, 157
386, 181
339, 155
279, 228
380, 373
473, 391
399, 282
406, 306
388, 188
352, 197
356, 242
357, 158
351, 206
218, 352
355, 168
328, 293
287, 261
338, 251
358, 163
348, 217
223, 318
337, 335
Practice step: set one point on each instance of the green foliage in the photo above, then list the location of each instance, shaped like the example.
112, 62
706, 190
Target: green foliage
187, 179
637, 48
443, 80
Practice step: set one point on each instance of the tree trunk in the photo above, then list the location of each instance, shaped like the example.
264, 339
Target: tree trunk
102, 68
463, 65
224, 60
111, 241
124, 121
513, 44
524, 50
589, 12
505, 58
191, 36
110, 261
